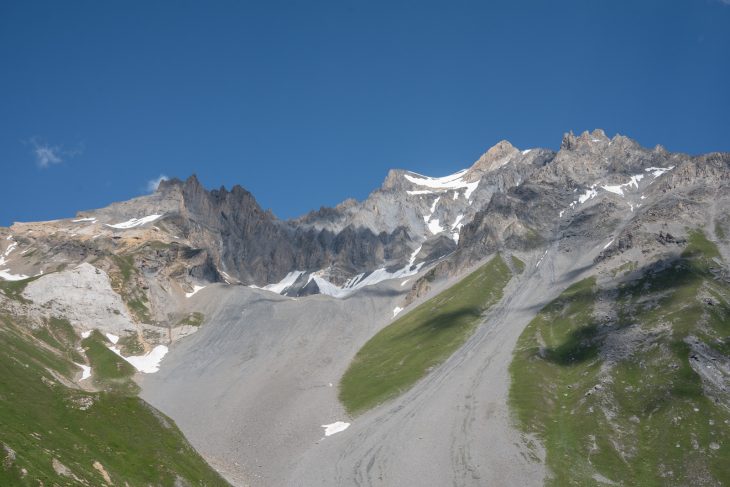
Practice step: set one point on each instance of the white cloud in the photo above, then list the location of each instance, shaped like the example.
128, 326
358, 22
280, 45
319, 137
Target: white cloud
152, 184
47, 155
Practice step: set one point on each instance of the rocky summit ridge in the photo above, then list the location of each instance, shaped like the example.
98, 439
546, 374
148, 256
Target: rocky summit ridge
510, 196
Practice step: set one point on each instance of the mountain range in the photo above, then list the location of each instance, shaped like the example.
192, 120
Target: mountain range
540, 317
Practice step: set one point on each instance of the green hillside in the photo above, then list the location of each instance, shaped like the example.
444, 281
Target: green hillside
52, 433
404, 351
607, 376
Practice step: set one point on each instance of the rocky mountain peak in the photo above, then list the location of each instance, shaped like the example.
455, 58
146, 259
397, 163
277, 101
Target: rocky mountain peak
586, 140
393, 180
495, 157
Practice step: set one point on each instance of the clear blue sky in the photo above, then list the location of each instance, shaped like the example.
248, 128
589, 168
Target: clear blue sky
307, 103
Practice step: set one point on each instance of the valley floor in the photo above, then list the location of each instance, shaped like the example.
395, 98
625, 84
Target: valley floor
253, 388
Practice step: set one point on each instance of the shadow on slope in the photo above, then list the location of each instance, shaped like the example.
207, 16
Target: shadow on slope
623, 382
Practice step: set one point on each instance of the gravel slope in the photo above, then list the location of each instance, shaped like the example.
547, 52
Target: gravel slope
251, 390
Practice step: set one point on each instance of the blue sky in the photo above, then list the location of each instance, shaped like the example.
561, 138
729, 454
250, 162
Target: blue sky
308, 103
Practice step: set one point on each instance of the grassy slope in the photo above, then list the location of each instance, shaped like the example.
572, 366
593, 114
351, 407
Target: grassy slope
403, 352
649, 423
42, 419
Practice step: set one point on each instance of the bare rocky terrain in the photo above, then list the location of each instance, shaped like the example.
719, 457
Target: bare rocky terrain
262, 316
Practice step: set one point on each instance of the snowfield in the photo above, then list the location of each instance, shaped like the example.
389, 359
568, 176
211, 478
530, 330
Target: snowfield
360, 281
85, 371
196, 288
147, 364
5, 273
453, 181
134, 222
285, 283
336, 427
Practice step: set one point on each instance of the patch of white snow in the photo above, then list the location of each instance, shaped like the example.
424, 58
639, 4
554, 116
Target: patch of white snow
658, 171
85, 371
619, 188
8, 276
196, 288
540, 261
453, 181
286, 282
135, 222
378, 275
336, 427
147, 364
434, 227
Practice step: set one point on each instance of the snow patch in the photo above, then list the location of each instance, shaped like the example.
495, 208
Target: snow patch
5, 273
434, 227
285, 283
360, 281
79, 220
608, 244
526, 151
336, 427
135, 222
420, 191
85, 371
619, 188
112, 338
457, 222
456, 228
435, 202
326, 287
8, 276
540, 261
8, 250
147, 364
86, 334
453, 181
226, 277
658, 171
397, 310
412, 258
196, 288
589, 194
